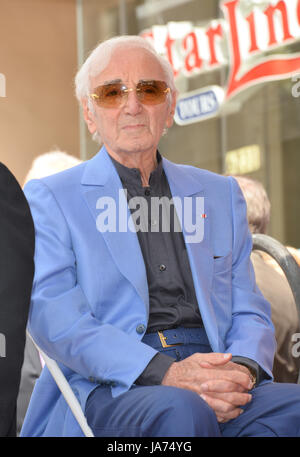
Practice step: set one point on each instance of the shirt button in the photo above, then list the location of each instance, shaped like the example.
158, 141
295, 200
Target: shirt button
162, 267
140, 328
147, 192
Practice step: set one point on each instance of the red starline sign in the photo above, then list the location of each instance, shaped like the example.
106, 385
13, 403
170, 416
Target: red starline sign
246, 40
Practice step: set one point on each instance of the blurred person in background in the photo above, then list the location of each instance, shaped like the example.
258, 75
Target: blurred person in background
50, 163
44, 165
16, 275
272, 283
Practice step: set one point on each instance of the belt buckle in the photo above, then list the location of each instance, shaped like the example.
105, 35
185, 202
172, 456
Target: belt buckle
163, 338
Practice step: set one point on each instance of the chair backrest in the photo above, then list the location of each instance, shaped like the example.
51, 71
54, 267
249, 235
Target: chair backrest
285, 260
66, 391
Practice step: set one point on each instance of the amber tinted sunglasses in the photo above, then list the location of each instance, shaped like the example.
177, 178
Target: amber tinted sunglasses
113, 94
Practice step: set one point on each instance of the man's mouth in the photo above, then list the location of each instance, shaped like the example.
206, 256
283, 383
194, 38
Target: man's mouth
133, 126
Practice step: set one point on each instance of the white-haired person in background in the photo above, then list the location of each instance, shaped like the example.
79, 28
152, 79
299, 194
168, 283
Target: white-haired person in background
272, 283
156, 321
49, 163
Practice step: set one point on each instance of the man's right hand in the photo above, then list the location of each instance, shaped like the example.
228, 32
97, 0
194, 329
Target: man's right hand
222, 384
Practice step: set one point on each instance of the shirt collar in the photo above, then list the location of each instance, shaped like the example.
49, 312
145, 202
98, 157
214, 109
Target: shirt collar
133, 176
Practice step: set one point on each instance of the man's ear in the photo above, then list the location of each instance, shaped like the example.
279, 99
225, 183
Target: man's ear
170, 120
89, 116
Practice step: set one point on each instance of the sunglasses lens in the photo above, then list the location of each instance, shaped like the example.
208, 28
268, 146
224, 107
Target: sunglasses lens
152, 92
109, 95
148, 92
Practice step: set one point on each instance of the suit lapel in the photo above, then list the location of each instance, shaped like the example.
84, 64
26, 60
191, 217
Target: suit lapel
102, 184
103, 190
184, 185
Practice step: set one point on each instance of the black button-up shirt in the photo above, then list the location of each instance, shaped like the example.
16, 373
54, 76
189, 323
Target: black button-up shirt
172, 298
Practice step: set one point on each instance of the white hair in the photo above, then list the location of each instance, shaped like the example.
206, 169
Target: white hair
99, 59
49, 163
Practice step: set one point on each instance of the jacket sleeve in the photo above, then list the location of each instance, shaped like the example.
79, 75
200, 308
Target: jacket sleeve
252, 332
61, 320
16, 275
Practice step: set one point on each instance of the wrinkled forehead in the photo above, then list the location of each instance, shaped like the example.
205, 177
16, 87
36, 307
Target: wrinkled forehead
130, 64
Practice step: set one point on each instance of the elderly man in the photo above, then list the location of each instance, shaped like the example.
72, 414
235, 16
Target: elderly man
155, 320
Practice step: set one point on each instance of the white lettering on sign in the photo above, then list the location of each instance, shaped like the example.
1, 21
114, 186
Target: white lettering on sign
198, 105
249, 30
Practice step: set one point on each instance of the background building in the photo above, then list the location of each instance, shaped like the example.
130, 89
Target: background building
256, 132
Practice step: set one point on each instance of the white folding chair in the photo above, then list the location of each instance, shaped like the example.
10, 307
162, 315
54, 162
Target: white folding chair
66, 390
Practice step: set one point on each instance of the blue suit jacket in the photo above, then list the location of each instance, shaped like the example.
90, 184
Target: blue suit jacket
90, 292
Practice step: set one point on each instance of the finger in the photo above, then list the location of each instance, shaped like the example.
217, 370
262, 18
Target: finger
205, 364
222, 386
220, 407
229, 416
227, 366
213, 359
233, 398
235, 376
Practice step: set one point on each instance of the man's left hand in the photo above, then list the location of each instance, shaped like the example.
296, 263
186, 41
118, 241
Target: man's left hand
223, 400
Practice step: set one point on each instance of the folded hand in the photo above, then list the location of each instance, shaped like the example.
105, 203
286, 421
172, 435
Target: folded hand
224, 385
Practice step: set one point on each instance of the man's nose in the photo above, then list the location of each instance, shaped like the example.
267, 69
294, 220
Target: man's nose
132, 104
